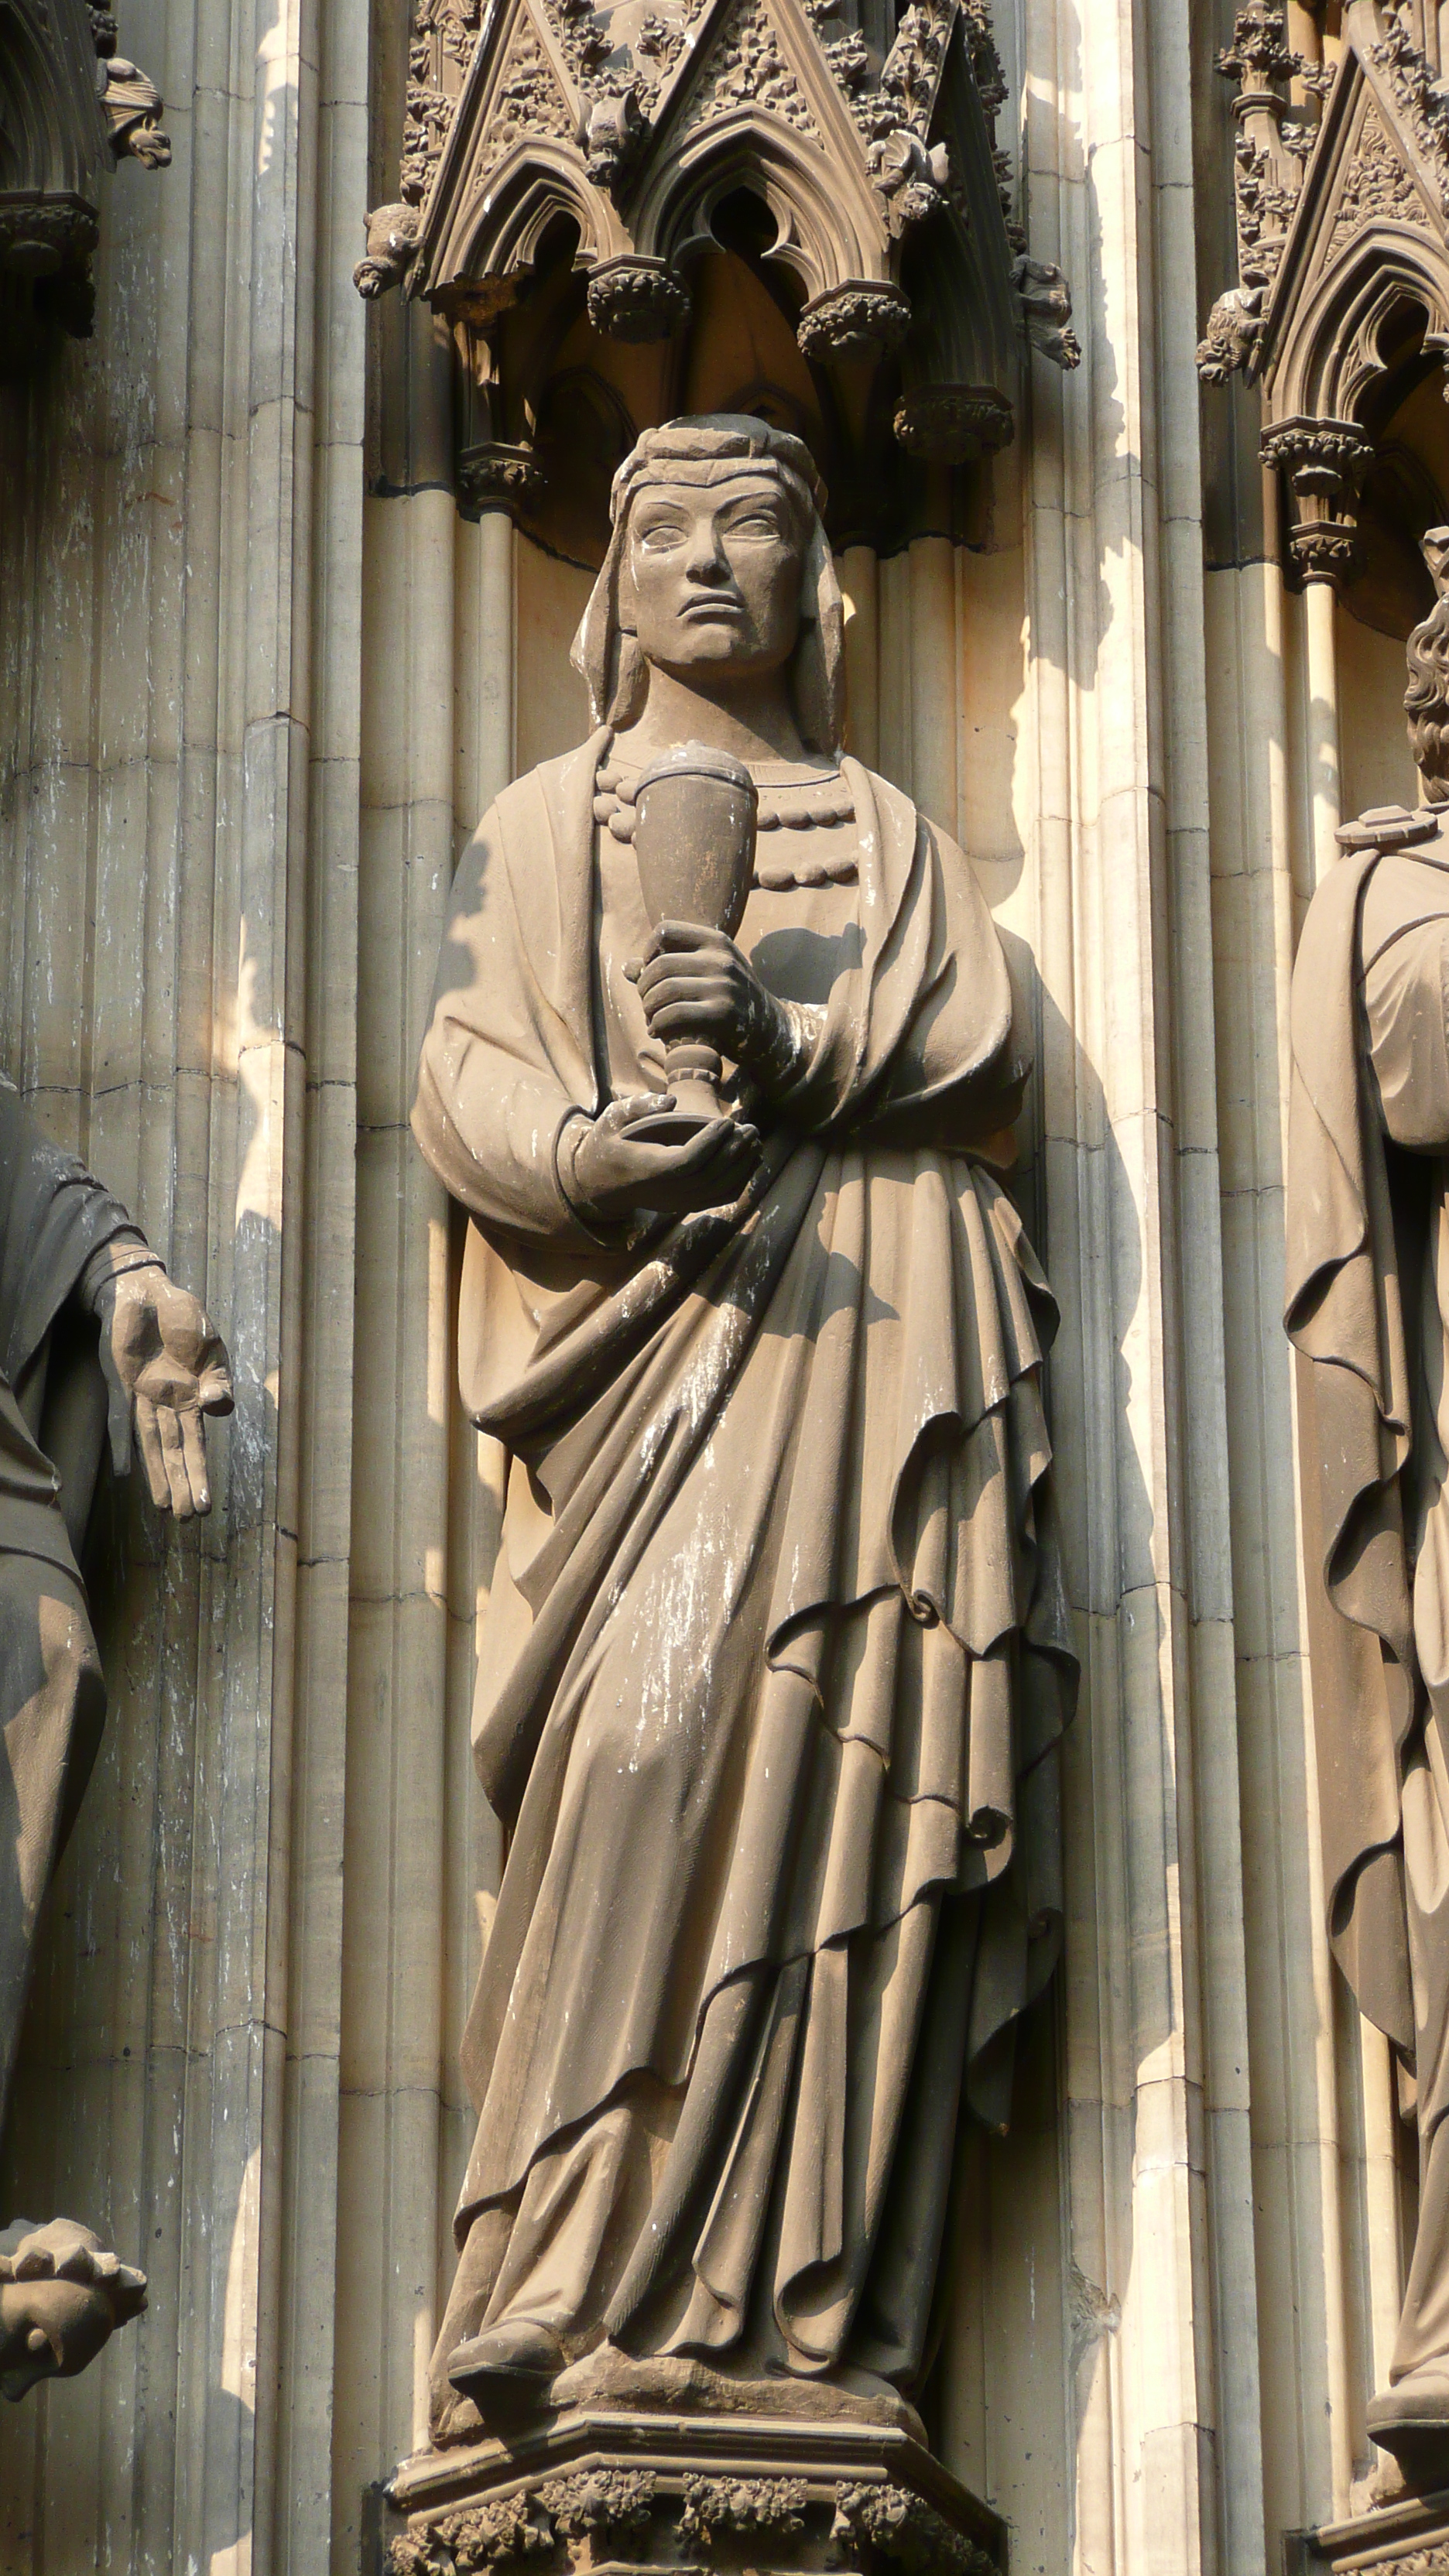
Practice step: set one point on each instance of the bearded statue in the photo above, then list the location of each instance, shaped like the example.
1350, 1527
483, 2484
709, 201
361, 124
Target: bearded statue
723, 1065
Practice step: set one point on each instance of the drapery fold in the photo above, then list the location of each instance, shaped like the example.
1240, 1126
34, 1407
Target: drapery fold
1344, 1312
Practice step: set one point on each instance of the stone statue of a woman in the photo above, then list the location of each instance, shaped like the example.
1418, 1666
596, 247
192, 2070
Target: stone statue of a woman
777, 1656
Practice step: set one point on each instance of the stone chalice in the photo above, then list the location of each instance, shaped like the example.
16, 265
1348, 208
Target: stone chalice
694, 842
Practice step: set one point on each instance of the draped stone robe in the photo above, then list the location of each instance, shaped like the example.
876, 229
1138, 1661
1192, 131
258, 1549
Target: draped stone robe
777, 1656
1368, 1307
55, 1218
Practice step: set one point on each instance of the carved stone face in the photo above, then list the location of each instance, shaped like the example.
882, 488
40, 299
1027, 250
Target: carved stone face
711, 577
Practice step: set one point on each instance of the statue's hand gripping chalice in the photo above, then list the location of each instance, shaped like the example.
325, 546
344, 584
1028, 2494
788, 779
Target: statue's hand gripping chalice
694, 842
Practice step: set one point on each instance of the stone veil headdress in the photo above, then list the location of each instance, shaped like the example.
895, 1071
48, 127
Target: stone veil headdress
716, 447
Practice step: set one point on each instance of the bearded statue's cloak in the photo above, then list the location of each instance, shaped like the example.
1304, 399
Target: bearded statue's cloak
778, 1654
1368, 1309
54, 1218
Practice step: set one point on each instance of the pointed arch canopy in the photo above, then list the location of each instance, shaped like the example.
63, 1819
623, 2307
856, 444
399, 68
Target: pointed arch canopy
1335, 241
525, 113
1329, 347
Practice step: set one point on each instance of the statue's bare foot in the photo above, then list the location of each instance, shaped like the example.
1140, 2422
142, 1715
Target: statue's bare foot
62, 2295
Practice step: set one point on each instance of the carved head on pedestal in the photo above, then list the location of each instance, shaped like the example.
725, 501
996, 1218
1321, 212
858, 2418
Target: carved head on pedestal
717, 570
1426, 700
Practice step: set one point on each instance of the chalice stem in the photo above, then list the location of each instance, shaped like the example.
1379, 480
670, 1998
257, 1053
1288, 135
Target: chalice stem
693, 1074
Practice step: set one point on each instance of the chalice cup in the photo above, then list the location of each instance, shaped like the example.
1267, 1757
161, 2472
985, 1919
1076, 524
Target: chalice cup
694, 841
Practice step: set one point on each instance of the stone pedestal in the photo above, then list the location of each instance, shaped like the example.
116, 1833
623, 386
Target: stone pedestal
608, 2492
1409, 2537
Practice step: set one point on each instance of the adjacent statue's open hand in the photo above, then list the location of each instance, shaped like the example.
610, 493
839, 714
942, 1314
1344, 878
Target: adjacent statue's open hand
612, 1173
696, 984
165, 1367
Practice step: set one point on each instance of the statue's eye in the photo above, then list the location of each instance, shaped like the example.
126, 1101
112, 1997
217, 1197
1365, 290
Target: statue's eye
659, 538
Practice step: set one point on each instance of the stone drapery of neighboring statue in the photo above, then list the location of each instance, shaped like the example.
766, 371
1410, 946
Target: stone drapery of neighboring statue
1368, 1310
93, 1335
777, 1658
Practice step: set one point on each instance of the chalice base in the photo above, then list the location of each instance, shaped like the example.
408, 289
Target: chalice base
692, 1076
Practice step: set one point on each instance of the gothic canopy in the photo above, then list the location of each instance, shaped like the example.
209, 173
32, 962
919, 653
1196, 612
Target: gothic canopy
633, 133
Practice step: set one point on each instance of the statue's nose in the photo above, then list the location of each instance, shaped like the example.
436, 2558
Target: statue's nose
705, 561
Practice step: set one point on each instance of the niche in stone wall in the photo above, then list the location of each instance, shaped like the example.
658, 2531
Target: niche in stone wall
1405, 491
548, 406
778, 205
797, 208
1340, 317
736, 262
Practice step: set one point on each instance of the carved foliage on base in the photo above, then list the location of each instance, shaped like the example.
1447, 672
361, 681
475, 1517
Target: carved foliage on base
866, 2524
858, 321
741, 2504
637, 299
598, 2500
905, 2530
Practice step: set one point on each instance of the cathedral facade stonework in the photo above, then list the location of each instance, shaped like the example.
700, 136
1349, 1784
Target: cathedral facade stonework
722, 1312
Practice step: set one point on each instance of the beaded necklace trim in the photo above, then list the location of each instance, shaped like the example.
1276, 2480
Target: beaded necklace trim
809, 805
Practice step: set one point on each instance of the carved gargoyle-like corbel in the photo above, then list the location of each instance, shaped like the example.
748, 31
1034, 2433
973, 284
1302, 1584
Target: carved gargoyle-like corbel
614, 137
132, 104
1046, 310
1234, 329
910, 176
392, 238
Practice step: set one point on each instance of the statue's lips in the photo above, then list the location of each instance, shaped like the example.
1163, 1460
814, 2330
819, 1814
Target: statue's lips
727, 609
